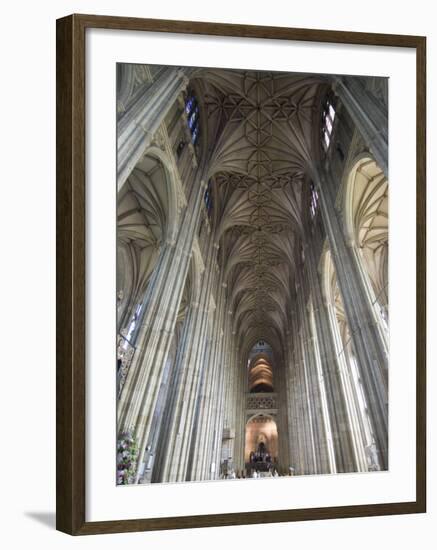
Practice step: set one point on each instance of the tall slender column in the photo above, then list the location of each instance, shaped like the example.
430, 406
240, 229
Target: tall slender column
303, 416
211, 390
226, 384
369, 116
219, 395
160, 309
298, 416
338, 416
283, 429
299, 422
369, 347
311, 378
240, 413
218, 424
212, 430
229, 387
190, 368
138, 124
307, 447
291, 405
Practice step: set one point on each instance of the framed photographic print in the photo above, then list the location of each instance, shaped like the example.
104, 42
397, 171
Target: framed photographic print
240, 274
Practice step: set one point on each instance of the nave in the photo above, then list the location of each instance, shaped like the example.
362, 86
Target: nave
252, 274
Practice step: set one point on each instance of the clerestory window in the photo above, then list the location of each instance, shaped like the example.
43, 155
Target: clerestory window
208, 198
314, 200
328, 117
192, 112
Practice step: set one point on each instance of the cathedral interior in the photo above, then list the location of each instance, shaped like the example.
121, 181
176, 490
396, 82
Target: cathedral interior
252, 274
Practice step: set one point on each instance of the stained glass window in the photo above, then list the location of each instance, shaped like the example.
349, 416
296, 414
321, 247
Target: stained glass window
208, 198
314, 200
192, 112
328, 116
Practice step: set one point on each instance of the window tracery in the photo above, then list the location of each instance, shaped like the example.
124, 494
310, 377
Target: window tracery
192, 113
314, 200
207, 198
328, 117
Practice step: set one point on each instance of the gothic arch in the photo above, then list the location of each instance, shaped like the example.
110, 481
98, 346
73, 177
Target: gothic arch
366, 224
147, 216
261, 427
174, 191
267, 415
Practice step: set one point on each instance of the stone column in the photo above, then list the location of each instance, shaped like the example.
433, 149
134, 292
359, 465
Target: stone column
293, 399
370, 349
228, 384
160, 309
291, 405
138, 124
190, 366
226, 381
298, 422
282, 405
221, 390
307, 442
302, 412
341, 428
201, 452
311, 379
240, 409
218, 424
368, 114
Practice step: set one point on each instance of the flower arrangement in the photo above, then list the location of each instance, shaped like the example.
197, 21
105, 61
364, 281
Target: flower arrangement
127, 457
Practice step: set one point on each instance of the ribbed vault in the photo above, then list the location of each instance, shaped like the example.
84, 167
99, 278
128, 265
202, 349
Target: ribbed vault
367, 219
261, 127
142, 216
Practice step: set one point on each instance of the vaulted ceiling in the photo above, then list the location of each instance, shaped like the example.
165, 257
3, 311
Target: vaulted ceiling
259, 135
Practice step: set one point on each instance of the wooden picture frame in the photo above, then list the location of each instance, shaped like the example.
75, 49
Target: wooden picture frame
71, 253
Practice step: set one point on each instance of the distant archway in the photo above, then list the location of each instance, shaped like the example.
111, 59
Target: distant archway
261, 439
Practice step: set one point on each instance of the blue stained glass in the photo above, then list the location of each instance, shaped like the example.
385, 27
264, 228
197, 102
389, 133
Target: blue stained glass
208, 198
192, 120
189, 105
192, 111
